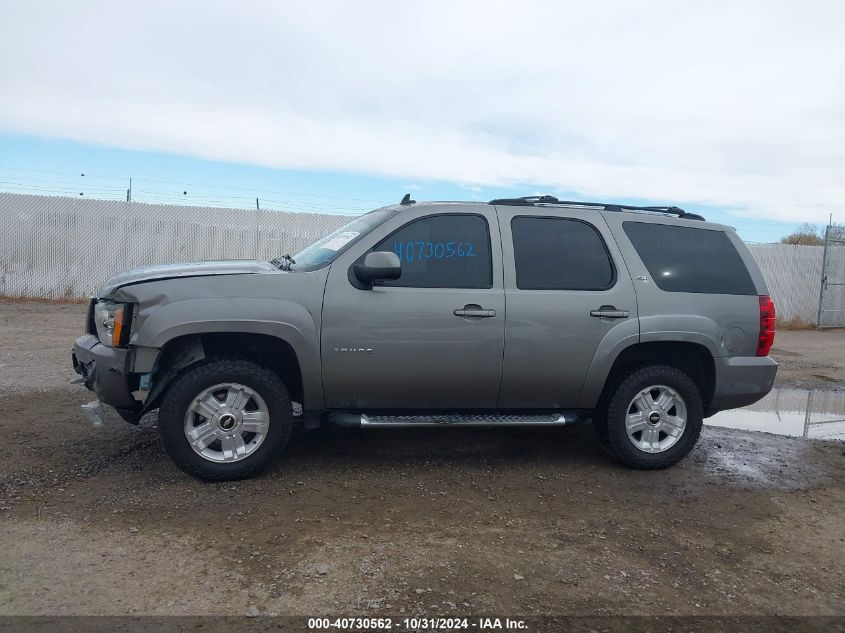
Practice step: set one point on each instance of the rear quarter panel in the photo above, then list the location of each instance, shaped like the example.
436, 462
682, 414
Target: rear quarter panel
726, 324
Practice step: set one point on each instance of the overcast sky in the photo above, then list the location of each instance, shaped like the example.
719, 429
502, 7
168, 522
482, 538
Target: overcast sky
739, 105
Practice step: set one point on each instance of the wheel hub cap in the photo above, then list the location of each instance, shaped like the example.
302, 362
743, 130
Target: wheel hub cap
226, 422
656, 419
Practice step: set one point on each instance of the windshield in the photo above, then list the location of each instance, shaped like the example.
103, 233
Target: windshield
324, 251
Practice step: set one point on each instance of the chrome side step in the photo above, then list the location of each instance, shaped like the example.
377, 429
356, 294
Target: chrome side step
373, 420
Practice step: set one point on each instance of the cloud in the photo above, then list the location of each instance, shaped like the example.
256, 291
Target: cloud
738, 105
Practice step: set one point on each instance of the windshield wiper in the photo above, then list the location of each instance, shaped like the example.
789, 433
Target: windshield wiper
285, 262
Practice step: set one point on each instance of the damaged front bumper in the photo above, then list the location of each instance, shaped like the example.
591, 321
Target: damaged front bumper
105, 371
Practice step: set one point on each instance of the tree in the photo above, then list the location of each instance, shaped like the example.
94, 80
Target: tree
806, 234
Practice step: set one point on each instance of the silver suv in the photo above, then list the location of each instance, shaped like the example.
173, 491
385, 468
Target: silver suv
527, 311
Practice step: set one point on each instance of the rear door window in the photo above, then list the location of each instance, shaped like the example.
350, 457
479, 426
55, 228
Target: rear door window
686, 259
560, 254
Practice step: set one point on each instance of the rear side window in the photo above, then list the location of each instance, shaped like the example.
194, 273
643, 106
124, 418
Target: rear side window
685, 259
559, 254
442, 251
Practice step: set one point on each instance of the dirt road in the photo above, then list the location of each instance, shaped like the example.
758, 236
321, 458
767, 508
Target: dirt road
811, 358
425, 522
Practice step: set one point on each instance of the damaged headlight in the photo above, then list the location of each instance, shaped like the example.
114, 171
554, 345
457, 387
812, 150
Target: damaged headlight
112, 322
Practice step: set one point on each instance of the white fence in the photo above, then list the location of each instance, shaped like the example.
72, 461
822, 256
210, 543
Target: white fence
56, 248
793, 274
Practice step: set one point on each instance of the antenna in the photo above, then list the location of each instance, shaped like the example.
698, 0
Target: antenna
406, 200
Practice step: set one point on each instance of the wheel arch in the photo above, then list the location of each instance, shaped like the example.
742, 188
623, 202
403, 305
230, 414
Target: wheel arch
694, 359
183, 352
280, 332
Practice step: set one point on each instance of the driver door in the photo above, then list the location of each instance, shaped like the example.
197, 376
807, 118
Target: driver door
432, 339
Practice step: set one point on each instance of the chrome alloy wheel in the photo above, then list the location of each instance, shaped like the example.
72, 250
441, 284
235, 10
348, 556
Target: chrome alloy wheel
226, 422
656, 419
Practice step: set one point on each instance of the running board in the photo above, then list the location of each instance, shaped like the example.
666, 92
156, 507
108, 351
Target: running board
365, 420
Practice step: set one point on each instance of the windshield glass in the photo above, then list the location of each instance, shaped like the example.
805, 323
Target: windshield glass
324, 251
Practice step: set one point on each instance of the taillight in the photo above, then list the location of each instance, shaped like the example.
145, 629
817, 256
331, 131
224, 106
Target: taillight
767, 325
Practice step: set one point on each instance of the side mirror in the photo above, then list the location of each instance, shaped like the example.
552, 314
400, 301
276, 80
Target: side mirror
378, 266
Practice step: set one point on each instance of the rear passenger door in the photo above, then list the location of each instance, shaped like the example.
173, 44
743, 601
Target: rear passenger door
568, 295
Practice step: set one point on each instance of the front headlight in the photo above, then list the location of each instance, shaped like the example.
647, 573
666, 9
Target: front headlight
112, 321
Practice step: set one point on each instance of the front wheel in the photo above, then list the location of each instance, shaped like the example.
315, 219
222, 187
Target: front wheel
653, 417
225, 419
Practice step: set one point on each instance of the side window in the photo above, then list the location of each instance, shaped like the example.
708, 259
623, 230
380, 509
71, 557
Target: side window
686, 259
560, 254
442, 251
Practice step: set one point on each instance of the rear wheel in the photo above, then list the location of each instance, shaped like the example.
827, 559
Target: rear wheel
653, 417
225, 419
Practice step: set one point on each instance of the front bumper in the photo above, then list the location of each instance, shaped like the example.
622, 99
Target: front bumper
741, 381
105, 371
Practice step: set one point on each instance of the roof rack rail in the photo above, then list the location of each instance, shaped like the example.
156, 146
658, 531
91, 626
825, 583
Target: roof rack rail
530, 201
526, 201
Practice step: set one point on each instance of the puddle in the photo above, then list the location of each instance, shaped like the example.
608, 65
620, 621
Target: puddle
796, 412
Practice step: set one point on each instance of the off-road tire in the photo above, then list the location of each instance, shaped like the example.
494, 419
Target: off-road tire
184, 389
615, 408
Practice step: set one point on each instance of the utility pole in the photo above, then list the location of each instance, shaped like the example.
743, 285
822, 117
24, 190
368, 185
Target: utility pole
257, 208
129, 192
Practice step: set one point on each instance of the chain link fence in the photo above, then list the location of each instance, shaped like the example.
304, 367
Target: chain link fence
793, 274
65, 248
832, 301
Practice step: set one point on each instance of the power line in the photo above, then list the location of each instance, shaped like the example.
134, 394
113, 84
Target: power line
160, 192
70, 190
189, 184
185, 199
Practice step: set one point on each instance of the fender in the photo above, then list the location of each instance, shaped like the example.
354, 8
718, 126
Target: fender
281, 318
685, 328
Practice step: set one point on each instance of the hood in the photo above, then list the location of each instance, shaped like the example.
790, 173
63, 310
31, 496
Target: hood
186, 269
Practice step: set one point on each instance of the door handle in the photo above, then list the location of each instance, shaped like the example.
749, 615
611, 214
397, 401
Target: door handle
474, 310
609, 312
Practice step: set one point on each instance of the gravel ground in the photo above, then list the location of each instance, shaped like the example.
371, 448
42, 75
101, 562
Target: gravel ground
814, 359
428, 522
